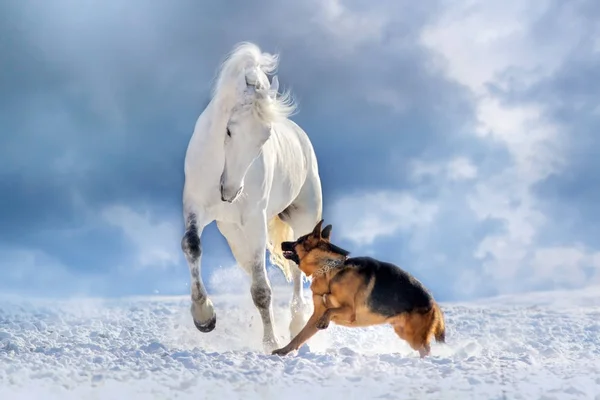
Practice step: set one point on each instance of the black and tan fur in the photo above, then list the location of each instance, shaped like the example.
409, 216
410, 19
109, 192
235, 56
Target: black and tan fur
362, 291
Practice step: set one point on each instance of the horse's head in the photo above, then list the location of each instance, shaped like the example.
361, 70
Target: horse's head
248, 129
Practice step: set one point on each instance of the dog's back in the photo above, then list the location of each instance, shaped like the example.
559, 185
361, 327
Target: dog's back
403, 299
394, 291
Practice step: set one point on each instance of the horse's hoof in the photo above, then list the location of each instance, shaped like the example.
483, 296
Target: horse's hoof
208, 325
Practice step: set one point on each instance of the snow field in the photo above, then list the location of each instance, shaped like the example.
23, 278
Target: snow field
538, 346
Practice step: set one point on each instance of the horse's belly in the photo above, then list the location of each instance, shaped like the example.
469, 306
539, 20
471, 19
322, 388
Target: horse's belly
280, 199
287, 184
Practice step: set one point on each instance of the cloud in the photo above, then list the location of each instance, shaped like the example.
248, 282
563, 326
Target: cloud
510, 255
35, 273
155, 242
458, 168
363, 218
532, 140
105, 98
456, 139
570, 266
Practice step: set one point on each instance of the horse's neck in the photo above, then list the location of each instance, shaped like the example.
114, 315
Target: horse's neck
214, 123
206, 153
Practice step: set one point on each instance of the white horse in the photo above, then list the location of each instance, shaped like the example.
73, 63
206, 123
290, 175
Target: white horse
254, 171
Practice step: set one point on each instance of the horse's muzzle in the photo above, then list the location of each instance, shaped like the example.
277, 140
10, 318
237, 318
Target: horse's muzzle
226, 197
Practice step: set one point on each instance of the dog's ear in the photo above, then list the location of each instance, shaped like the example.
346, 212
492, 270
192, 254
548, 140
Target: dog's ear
316, 233
326, 232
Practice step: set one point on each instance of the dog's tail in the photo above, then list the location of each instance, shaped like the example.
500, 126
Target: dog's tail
279, 231
439, 325
430, 324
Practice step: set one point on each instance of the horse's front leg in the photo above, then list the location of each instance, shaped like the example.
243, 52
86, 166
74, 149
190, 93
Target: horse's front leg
248, 244
202, 308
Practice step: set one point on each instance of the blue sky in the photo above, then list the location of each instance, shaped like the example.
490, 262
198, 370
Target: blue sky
475, 126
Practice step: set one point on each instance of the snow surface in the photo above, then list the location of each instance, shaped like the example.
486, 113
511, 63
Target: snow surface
538, 346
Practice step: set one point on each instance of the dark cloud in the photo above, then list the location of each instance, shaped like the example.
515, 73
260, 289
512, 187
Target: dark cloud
570, 97
573, 195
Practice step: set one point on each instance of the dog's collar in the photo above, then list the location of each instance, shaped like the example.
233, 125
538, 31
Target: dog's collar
329, 265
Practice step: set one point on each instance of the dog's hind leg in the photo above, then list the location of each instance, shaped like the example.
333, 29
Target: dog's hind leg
404, 330
398, 326
413, 329
424, 350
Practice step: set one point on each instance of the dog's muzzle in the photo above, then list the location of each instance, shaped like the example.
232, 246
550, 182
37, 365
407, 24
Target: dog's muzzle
288, 251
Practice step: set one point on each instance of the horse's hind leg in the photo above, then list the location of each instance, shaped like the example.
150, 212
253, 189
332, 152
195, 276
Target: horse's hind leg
202, 308
248, 245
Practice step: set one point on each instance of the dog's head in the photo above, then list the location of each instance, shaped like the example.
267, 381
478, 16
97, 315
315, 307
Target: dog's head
314, 246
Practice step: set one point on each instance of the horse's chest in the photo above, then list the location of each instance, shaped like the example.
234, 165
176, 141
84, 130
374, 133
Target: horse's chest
225, 212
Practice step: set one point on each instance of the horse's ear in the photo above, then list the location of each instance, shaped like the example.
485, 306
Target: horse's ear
317, 231
274, 88
326, 232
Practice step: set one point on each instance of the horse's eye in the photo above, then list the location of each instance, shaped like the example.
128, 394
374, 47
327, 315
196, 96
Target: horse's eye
228, 132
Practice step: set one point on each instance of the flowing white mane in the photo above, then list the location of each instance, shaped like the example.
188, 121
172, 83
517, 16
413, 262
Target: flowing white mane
247, 67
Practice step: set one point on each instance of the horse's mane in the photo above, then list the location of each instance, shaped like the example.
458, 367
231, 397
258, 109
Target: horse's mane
245, 55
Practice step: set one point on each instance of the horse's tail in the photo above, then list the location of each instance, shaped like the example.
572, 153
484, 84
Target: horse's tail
279, 231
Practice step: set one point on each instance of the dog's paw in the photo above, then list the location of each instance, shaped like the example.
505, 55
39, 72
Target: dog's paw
281, 352
322, 323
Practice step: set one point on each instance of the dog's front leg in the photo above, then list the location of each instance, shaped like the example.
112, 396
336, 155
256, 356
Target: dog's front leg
345, 313
307, 332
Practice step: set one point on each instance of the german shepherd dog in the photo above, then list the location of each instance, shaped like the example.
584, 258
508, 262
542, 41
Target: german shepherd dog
362, 291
